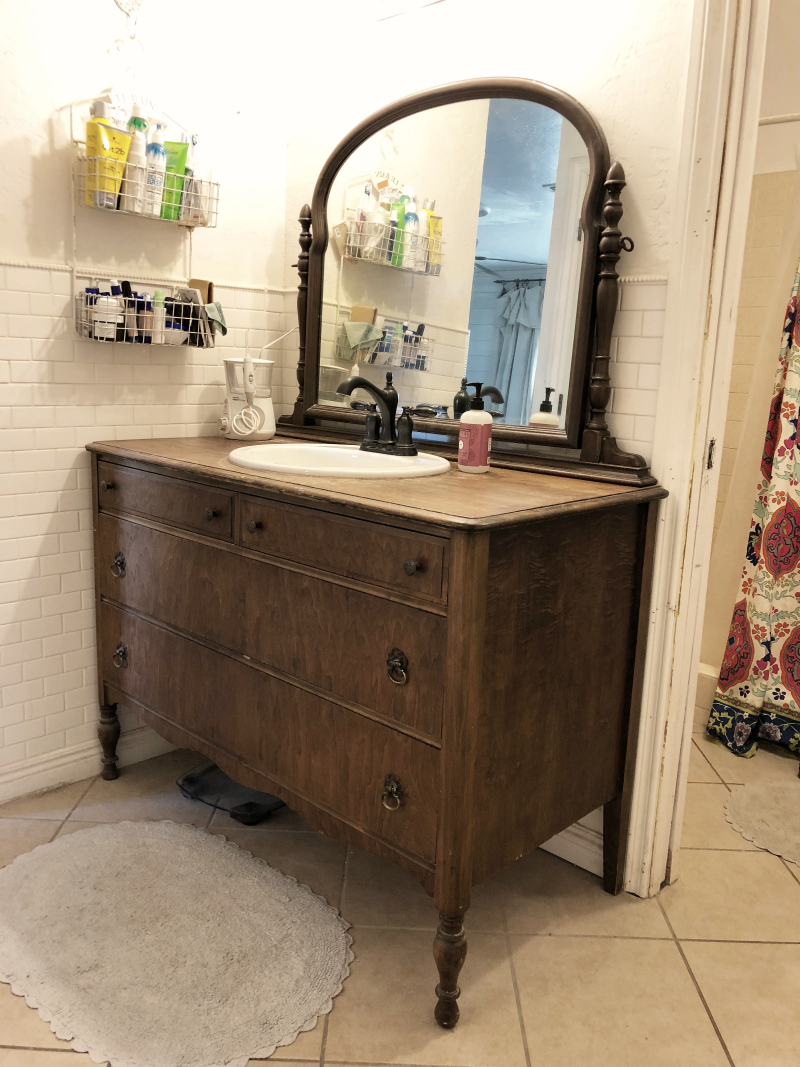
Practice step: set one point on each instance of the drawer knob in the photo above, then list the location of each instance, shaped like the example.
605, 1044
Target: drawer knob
393, 792
411, 566
210, 514
397, 665
253, 525
120, 657
118, 566
105, 486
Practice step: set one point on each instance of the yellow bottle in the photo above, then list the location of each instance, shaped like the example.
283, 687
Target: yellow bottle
106, 153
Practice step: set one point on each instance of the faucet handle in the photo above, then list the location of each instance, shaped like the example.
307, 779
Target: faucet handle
405, 428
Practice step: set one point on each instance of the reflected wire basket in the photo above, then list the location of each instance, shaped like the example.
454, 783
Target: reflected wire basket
113, 186
394, 349
385, 245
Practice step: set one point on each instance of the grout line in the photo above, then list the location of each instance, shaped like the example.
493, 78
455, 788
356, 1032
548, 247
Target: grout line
791, 868
516, 990
711, 765
516, 933
696, 984
733, 941
324, 1043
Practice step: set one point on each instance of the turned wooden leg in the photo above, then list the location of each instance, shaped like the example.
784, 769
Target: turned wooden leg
449, 951
108, 734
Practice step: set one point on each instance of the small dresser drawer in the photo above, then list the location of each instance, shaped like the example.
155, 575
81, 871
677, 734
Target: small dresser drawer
379, 780
156, 496
394, 559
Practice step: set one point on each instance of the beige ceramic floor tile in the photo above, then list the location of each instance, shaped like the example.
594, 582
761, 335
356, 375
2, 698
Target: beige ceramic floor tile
543, 894
700, 770
73, 825
385, 1011
764, 766
313, 859
146, 791
52, 804
21, 1025
379, 893
753, 992
282, 820
600, 1002
733, 896
22, 835
704, 822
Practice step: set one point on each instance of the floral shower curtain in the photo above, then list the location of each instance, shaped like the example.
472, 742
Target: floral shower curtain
758, 693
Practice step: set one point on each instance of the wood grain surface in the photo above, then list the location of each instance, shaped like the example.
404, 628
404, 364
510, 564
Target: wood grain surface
319, 749
339, 639
453, 500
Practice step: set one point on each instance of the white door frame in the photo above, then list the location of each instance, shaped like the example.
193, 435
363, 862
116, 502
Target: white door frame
710, 211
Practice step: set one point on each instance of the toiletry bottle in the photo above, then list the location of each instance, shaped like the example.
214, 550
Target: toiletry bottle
137, 123
544, 416
461, 400
116, 293
375, 232
156, 168
106, 317
397, 244
198, 195
144, 307
424, 232
410, 250
106, 152
474, 436
129, 302
131, 198
159, 318
434, 245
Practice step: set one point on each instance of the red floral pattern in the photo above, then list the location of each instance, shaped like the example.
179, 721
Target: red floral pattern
738, 651
781, 550
772, 435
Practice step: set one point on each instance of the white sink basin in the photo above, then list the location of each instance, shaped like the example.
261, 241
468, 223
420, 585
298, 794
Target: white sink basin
336, 461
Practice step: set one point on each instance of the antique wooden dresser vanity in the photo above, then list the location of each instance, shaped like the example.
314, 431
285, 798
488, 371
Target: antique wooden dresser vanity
445, 671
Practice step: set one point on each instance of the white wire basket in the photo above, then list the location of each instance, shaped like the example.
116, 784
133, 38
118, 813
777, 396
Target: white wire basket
387, 246
394, 349
109, 185
135, 320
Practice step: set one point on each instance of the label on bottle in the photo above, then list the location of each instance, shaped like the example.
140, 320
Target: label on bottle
473, 444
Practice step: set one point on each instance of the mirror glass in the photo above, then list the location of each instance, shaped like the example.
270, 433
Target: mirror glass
454, 251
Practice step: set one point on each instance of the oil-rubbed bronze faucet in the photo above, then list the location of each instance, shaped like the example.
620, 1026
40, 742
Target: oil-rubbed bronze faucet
383, 437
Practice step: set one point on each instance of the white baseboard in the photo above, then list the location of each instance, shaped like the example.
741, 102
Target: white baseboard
77, 762
579, 844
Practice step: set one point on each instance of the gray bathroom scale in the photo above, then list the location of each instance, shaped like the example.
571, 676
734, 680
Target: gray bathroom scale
213, 787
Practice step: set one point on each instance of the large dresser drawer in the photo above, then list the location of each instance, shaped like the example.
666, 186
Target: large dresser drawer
169, 500
334, 637
395, 559
331, 756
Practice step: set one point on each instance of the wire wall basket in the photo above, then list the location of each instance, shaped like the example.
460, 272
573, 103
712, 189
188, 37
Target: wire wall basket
110, 185
388, 246
398, 349
137, 320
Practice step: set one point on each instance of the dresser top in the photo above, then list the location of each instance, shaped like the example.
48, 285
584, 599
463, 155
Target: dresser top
462, 501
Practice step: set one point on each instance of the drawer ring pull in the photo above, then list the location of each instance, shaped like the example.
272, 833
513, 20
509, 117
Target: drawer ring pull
411, 566
105, 486
120, 657
393, 792
397, 665
253, 525
118, 566
210, 514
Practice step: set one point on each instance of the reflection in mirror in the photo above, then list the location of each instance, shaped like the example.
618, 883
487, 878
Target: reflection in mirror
455, 253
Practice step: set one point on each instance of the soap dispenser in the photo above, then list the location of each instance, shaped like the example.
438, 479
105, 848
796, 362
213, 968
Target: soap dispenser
461, 400
474, 435
544, 416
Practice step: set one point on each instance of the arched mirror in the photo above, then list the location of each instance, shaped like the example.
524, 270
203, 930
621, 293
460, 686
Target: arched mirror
466, 238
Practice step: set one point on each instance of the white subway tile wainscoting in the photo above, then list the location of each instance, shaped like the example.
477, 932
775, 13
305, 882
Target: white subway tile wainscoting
58, 393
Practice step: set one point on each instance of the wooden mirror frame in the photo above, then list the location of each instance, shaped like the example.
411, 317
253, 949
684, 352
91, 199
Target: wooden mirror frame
589, 388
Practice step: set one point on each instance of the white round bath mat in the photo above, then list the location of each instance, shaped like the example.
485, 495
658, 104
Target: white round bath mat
768, 814
153, 944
